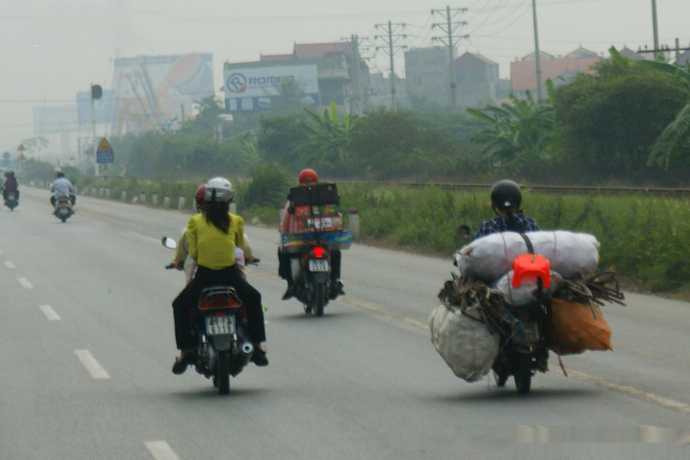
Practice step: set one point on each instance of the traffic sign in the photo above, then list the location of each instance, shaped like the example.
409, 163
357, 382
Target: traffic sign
104, 153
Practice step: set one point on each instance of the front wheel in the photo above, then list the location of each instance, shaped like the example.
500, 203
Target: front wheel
222, 377
523, 375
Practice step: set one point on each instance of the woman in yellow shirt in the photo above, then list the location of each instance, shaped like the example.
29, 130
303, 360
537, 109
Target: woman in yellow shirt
212, 237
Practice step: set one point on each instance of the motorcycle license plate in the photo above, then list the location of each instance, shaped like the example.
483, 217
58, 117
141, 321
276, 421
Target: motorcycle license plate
318, 265
220, 325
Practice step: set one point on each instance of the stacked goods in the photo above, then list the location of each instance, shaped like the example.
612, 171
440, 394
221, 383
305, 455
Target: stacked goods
314, 219
476, 304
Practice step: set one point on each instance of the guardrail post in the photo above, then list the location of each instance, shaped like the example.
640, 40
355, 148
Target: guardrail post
107, 193
353, 223
142, 198
181, 203
154, 199
123, 196
166, 202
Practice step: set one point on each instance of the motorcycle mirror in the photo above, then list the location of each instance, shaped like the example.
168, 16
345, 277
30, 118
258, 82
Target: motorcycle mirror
169, 243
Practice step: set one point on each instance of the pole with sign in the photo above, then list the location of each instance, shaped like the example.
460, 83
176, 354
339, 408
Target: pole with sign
104, 152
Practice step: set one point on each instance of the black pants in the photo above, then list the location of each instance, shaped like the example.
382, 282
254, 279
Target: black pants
285, 271
186, 303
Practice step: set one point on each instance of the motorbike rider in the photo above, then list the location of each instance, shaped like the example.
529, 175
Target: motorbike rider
212, 236
10, 185
243, 250
62, 186
305, 177
506, 201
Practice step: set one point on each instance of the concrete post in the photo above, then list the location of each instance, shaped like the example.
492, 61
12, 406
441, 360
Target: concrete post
107, 193
142, 198
123, 196
154, 199
181, 203
353, 223
166, 202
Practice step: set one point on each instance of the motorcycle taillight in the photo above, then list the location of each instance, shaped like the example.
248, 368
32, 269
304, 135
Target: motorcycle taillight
218, 302
318, 252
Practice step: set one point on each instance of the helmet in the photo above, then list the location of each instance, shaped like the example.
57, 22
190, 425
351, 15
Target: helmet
308, 176
59, 173
218, 189
199, 196
506, 195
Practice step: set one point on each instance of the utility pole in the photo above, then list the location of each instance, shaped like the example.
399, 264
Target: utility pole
677, 49
537, 53
390, 44
451, 30
655, 25
357, 99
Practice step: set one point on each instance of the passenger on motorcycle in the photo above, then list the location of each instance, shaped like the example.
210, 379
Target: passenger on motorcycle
506, 201
243, 250
62, 186
10, 185
306, 177
213, 236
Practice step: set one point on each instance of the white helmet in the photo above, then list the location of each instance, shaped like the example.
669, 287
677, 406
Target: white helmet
218, 189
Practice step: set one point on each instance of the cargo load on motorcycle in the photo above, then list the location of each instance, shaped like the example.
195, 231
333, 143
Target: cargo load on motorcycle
519, 296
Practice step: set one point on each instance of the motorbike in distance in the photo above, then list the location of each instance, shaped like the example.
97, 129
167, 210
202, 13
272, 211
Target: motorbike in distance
63, 208
220, 325
11, 200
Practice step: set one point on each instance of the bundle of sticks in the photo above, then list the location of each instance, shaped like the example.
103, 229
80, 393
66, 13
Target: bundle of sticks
599, 289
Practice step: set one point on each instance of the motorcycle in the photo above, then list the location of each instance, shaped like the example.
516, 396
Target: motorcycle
524, 351
63, 208
312, 275
11, 200
220, 325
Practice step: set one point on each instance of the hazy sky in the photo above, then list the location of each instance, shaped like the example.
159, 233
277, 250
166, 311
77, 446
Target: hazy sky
52, 48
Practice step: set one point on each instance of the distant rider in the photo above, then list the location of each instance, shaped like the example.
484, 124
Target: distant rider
62, 187
306, 177
10, 185
506, 201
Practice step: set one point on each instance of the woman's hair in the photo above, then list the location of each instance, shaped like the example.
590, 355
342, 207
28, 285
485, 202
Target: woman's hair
217, 213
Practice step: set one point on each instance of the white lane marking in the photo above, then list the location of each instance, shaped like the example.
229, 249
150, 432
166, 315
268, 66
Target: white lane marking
26, 284
92, 366
160, 450
9, 264
50, 314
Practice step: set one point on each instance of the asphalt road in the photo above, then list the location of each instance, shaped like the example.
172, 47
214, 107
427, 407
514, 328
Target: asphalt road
86, 346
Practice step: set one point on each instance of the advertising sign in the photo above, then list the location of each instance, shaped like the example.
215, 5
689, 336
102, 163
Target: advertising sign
256, 88
157, 92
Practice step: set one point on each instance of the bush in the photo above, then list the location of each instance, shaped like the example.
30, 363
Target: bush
268, 187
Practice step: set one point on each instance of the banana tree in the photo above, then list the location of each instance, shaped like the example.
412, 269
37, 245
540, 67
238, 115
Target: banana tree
516, 131
329, 136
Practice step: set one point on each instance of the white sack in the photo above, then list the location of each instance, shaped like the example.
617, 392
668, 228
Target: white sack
465, 344
491, 257
525, 294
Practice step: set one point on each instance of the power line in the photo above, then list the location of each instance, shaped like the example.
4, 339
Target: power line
390, 43
451, 28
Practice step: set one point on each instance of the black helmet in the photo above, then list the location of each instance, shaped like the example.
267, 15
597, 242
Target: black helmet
59, 174
506, 195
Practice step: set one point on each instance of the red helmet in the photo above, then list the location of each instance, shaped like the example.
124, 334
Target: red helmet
199, 196
308, 176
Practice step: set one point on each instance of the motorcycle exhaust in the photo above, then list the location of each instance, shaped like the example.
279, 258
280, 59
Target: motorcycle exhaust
247, 348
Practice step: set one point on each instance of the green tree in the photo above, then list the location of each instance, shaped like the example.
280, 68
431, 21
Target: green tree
329, 135
517, 132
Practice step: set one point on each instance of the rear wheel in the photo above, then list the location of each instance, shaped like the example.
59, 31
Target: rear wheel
320, 298
523, 375
222, 377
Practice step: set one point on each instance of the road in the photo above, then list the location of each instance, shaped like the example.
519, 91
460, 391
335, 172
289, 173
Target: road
86, 347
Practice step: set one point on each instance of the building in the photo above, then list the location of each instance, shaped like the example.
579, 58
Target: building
523, 73
380, 92
427, 75
478, 80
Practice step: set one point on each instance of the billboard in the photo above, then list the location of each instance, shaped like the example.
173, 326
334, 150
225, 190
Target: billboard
156, 92
54, 119
251, 88
103, 107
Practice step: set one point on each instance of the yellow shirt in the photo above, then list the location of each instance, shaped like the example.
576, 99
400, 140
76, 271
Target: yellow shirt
209, 246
